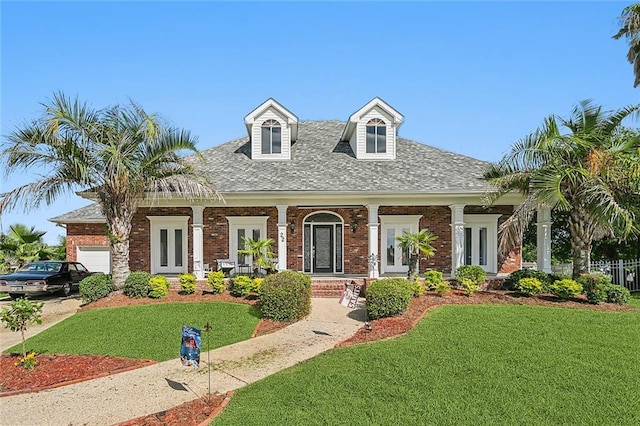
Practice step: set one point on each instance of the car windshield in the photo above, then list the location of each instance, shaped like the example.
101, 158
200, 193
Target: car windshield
43, 267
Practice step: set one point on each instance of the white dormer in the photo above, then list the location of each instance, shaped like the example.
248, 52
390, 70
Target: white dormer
272, 129
371, 131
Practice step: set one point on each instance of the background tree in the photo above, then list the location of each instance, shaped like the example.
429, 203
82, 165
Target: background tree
22, 245
630, 30
416, 244
586, 172
121, 156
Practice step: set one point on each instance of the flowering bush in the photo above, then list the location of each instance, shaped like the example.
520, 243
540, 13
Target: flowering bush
28, 361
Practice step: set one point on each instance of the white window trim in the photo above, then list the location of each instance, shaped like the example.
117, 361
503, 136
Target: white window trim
387, 221
158, 222
237, 222
489, 221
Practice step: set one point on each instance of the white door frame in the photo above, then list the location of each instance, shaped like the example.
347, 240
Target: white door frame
398, 223
170, 223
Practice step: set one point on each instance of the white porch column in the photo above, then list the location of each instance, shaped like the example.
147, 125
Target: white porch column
282, 237
543, 239
198, 242
457, 236
374, 260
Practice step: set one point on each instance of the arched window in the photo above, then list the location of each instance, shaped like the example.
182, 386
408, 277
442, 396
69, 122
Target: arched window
271, 137
376, 136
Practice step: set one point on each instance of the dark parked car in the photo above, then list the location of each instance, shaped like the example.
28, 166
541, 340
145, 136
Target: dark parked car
46, 276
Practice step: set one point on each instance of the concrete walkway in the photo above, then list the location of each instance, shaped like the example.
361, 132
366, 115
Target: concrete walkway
147, 390
54, 310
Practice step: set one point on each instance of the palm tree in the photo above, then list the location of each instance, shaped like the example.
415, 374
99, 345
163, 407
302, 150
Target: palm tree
120, 156
416, 244
630, 30
260, 252
22, 245
585, 171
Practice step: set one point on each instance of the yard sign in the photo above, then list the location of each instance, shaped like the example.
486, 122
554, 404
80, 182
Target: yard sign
190, 347
350, 295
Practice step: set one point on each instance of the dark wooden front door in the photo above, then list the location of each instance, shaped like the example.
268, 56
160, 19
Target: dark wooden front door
323, 248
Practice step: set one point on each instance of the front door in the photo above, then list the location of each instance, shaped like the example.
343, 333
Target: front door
323, 248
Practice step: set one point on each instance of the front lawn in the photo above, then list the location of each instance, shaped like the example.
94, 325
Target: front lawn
475, 365
147, 332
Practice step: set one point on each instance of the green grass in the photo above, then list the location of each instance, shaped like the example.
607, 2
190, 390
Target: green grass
148, 332
635, 299
476, 365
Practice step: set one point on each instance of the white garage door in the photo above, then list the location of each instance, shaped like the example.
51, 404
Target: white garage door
95, 259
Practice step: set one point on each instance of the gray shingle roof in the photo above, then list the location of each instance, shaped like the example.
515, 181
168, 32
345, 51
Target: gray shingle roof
90, 213
320, 162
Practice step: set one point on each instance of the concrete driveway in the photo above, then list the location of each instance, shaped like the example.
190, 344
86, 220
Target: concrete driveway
55, 309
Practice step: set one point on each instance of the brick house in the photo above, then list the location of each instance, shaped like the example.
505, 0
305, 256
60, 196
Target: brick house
333, 196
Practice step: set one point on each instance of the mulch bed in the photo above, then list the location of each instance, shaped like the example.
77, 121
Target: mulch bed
54, 370
57, 370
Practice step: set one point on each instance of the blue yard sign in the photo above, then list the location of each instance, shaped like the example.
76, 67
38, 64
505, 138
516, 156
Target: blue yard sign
190, 347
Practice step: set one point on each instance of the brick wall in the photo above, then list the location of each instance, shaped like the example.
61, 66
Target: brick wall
84, 234
216, 234
140, 240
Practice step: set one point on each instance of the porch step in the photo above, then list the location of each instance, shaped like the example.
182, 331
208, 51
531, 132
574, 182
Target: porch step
331, 287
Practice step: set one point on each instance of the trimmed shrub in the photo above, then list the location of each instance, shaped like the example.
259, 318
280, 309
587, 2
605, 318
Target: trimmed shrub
432, 278
159, 286
595, 287
215, 281
417, 287
471, 272
529, 286
187, 283
286, 296
137, 284
95, 287
564, 289
388, 297
442, 287
241, 285
514, 278
618, 294
256, 284
469, 286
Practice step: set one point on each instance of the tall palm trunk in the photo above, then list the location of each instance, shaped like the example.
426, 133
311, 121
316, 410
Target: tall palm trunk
580, 242
119, 232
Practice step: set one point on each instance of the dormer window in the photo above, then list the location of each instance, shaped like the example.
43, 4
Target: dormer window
376, 136
372, 131
271, 137
272, 129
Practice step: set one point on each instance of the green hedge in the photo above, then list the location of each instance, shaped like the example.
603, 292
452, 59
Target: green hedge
388, 297
618, 294
565, 289
594, 287
159, 286
95, 287
432, 278
187, 283
137, 284
514, 278
286, 296
241, 285
471, 272
215, 281
529, 286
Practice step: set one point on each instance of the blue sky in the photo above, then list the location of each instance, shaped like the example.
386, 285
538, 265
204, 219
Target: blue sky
469, 77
